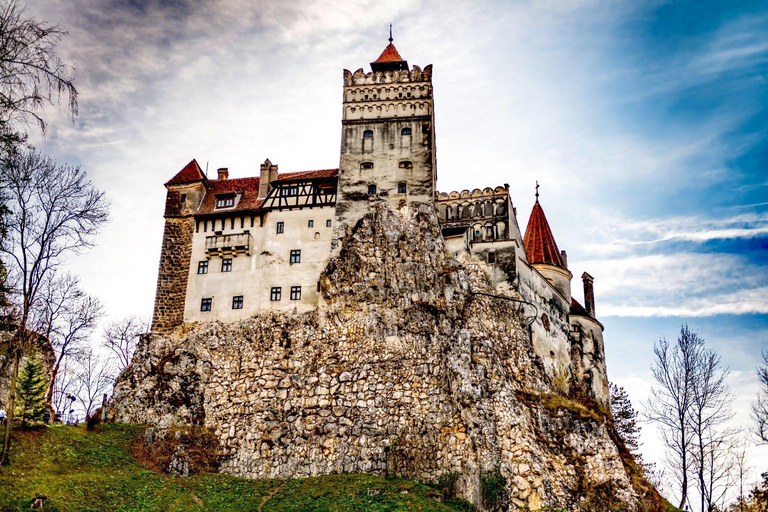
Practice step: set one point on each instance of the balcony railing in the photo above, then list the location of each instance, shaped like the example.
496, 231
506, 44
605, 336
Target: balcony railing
229, 244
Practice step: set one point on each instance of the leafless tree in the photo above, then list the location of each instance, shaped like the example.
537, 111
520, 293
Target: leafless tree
94, 377
122, 336
54, 211
742, 468
66, 316
671, 398
31, 74
710, 408
760, 405
65, 386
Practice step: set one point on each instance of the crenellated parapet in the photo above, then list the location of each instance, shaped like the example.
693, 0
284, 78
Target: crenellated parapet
415, 74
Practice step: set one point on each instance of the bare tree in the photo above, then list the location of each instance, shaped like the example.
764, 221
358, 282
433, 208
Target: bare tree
671, 398
65, 386
54, 211
66, 316
94, 377
742, 467
31, 74
760, 405
710, 408
122, 336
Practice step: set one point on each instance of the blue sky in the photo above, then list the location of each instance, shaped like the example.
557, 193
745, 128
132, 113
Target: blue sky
644, 122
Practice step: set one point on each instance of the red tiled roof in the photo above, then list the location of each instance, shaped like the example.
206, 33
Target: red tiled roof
578, 309
307, 175
389, 55
249, 187
540, 245
190, 173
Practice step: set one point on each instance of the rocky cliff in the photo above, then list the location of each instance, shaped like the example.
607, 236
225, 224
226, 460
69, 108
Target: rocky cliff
403, 370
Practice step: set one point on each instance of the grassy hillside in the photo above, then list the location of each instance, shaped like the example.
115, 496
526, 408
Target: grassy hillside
94, 471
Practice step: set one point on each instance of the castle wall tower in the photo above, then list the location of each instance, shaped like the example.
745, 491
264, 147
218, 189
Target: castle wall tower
387, 139
185, 193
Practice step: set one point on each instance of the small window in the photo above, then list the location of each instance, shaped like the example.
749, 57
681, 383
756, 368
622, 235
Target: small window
489, 232
400, 94
295, 256
275, 293
295, 292
183, 198
328, 223
408, 94
405, 131
401, 188
491, 257
226, 265
292, 190
366, 165
374, 96
202, 267
311, 224
225, 202
237, 302
205, 304
406, 165
280, 227
368, 134
477, 234
366, 97
371, 190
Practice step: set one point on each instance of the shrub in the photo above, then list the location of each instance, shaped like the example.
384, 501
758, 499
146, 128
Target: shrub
494, 489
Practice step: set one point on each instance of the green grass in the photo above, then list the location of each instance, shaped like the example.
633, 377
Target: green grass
94, 471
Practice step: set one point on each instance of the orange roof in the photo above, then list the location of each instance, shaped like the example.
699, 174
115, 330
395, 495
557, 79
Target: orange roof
540, 245
307, 175
249, 188
389, 55
578, 309
190, 173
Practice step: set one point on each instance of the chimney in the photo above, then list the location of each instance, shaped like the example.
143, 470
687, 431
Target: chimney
589, 293
267, 176
223, 173
564, 259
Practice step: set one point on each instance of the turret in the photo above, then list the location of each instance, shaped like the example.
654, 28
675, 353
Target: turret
542, 252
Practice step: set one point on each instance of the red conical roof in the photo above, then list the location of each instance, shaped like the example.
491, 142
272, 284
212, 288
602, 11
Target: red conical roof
389, 60
190, 173
389, 55
540, 245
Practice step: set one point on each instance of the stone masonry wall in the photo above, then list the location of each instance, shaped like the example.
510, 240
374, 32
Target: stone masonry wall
173, 274
402, 370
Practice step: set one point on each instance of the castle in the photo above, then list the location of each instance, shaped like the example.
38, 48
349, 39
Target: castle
234, 248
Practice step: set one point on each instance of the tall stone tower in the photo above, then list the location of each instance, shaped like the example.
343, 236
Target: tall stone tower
387, 139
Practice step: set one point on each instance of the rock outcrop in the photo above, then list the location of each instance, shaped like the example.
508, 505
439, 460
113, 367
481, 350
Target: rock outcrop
402, 370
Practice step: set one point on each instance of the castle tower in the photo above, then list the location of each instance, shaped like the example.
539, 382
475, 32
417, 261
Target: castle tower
543, 254
387, 139
185, 193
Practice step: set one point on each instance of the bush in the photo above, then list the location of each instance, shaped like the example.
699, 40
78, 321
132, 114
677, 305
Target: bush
494, 489
180, 451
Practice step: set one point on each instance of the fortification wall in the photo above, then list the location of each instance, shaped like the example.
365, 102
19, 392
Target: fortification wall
401, 370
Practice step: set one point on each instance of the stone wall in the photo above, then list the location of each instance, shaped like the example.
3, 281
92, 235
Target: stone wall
173, 273
403, 370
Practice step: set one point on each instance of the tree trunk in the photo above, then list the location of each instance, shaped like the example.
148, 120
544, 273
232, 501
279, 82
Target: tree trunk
684, 466
11, 406
49, 391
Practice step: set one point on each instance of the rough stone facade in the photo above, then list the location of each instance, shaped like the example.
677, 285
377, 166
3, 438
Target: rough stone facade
173, 273
404, 368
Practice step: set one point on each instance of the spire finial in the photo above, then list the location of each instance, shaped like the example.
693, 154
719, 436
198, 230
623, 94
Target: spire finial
390, 34
537, 191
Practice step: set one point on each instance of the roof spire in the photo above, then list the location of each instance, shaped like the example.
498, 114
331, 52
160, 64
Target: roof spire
537, 191
390, 34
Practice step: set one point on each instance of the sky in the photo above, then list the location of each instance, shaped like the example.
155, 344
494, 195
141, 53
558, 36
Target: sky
643, 121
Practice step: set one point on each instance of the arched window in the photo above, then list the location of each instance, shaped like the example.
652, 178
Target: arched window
448, 213
368, 134
405, 131
489, 209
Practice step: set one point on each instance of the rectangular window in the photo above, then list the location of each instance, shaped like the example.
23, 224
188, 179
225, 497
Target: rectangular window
226, 265
274, 294
237, 302
225, 202
491, 257
328, 223
280, 227
183, 198
292, 190
311, 224
401, 188
202, 267
205, 304
295, 256
295, 292
371, 190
